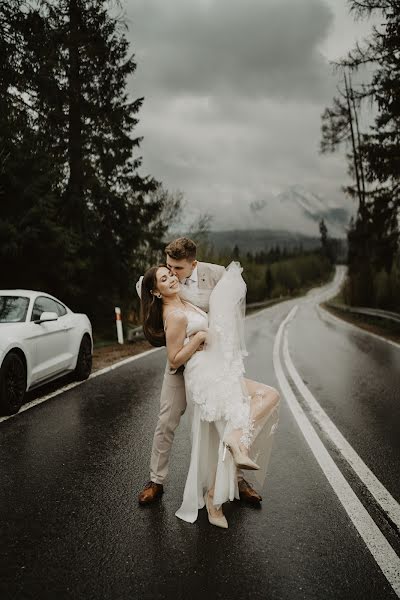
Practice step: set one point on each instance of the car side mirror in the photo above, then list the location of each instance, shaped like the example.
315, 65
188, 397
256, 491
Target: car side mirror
47, 316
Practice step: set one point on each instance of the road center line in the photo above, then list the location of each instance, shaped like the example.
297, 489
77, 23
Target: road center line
389, 505
381, 550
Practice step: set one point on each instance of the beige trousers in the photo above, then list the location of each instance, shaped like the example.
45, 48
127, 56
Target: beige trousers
172, 407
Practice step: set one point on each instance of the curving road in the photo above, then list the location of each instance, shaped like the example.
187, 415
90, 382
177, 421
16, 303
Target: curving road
71, 468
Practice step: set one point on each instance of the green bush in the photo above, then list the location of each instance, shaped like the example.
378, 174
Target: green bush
387, 289
377, 289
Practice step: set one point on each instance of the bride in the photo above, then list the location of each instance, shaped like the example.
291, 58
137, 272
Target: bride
232, 418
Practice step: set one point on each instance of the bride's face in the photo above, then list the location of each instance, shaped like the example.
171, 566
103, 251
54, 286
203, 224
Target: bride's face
167, 282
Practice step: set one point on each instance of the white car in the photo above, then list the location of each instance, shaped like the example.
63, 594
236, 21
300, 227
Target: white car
40, 339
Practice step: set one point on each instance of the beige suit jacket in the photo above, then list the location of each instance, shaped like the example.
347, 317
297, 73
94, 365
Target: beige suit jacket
209, 274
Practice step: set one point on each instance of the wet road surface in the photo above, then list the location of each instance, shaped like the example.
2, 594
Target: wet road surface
71, 469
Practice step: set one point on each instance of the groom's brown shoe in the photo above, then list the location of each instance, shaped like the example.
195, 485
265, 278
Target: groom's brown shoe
247, 493
150, 492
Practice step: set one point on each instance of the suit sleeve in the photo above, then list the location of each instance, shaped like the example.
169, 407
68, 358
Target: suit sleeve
219, 271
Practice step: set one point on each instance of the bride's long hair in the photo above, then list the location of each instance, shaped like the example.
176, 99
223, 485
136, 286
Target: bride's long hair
152, 309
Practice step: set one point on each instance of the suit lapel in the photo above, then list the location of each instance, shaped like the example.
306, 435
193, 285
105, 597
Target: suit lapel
202, 277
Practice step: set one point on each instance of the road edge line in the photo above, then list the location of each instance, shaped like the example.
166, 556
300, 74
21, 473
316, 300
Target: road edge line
382, 496
74, 384
383, 553
358, 329
116, 365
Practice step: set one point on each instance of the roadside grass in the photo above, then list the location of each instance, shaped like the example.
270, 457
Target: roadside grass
110, 353
339, 298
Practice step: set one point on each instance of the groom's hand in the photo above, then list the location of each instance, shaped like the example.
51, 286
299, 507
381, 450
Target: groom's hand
202, 345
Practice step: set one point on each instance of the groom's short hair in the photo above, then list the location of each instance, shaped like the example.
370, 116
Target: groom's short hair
181, 248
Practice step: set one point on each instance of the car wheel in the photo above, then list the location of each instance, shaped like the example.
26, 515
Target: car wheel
84, 362
12, 384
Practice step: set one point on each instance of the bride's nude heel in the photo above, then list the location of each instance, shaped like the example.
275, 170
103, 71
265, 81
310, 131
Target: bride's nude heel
217, 521
241, 460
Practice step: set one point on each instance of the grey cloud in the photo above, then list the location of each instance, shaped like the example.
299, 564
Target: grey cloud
253, 48
233, 96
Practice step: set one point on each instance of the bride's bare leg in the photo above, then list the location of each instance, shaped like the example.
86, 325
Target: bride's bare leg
264, 399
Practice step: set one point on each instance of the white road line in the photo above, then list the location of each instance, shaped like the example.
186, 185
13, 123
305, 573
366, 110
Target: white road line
116, 365
381, 550
329, 315
130, 359
65, 388
390, 506
312, 296
323, 297
123, 362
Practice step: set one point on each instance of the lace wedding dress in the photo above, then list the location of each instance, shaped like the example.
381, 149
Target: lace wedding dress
218, 400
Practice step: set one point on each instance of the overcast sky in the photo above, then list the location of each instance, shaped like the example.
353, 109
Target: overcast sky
234, 91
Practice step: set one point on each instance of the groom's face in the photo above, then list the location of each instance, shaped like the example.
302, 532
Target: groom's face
181, 268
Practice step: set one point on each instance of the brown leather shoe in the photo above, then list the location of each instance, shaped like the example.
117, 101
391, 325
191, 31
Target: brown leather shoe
247, 493
150, 492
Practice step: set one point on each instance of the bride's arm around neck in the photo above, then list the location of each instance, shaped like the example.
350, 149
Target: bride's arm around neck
175, 334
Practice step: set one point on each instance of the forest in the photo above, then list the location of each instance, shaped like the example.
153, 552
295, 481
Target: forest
82, 219
365, 119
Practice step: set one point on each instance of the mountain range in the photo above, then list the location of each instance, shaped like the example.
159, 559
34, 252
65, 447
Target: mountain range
260, 239
288, 220
299, 211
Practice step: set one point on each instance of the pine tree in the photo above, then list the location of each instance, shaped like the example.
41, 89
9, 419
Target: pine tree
374, 159
85, 201
269, 282
326, 242
29, 231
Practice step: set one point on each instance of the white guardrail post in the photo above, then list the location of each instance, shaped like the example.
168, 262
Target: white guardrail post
120, 334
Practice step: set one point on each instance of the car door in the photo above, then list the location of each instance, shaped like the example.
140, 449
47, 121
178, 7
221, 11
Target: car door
68, 324
52, 356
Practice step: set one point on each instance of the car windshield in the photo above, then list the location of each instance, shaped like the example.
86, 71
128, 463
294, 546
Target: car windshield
13, 309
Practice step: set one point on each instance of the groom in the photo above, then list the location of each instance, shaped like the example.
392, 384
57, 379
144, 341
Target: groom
198, 279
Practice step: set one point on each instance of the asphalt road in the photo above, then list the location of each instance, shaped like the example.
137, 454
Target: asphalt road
72, 466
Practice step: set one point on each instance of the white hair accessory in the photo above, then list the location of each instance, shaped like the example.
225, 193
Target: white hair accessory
139, 286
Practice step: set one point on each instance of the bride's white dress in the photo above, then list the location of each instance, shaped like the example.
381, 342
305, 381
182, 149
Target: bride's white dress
217, 399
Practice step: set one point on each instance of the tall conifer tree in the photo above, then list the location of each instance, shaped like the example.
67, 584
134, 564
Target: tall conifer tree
74, 64
375, 155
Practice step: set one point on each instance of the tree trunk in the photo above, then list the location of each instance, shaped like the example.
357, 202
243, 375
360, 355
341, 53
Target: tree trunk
74, 191
360, 197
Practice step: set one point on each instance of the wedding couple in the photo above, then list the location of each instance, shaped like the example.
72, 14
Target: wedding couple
196, 310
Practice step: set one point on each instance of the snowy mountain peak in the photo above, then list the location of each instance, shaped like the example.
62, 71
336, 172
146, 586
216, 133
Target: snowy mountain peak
300, 210
309, 201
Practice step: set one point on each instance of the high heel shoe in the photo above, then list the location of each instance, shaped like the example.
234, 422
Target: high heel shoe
217, 521
241, 460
